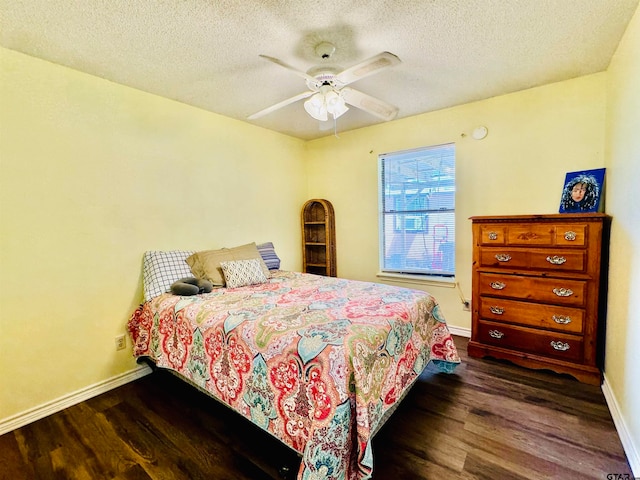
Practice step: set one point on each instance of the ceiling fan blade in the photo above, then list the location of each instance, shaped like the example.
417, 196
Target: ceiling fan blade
281, 104
369, 104
367, 67
300, 73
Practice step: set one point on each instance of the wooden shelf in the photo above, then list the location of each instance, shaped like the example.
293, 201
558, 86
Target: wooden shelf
318, 238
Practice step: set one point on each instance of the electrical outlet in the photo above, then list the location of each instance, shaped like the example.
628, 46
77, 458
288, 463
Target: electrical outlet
121, 342
466, 306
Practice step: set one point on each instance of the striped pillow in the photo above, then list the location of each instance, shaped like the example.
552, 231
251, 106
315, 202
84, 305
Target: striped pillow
268, 254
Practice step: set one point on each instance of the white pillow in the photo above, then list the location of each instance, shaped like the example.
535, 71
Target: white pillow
161, 269
239, 273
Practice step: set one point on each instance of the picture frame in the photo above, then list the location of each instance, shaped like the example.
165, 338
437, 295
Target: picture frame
583, 191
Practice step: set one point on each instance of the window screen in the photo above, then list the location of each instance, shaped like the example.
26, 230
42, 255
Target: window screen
417, 211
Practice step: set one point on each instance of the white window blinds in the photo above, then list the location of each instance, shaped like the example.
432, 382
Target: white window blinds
417, 211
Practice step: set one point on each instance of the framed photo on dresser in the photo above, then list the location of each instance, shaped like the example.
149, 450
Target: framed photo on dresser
583, 191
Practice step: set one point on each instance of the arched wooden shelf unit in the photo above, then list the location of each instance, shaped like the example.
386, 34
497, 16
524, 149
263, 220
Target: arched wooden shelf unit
319, 238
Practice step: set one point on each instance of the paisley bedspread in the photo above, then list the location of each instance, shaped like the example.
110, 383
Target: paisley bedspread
316, 361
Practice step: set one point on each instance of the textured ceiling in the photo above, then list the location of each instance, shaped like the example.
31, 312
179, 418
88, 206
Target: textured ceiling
205, 52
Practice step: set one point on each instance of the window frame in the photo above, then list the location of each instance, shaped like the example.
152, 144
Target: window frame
415, 274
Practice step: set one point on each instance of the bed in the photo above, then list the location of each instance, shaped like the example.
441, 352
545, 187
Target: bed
318, 362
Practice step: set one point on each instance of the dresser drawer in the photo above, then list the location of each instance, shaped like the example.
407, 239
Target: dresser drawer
553, 317
571, 235
543, 234
560, 291
504, 257
531, 234
559, 260
493, 235
548, 344
536, 259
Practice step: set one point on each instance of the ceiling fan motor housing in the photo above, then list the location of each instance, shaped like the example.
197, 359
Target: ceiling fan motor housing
322, 77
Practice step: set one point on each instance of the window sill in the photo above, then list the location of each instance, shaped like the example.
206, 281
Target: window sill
447, 282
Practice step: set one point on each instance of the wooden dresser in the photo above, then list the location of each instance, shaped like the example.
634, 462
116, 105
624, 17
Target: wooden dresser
539, 291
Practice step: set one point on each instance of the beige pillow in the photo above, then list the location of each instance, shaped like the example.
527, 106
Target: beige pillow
206, 264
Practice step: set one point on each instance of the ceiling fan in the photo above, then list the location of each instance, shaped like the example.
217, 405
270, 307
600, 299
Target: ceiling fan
328, 93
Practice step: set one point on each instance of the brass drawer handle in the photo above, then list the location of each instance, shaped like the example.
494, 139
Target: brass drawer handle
493, 235
561, 319
503, 257
556, 260
496, 310
561, 346
496, 334
570, 236
497, 285
563, 292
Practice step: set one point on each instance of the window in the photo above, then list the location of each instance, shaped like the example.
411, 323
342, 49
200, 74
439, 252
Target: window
417, 211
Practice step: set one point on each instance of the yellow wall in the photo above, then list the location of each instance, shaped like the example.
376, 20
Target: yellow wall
535, 137
92, 174
622, 367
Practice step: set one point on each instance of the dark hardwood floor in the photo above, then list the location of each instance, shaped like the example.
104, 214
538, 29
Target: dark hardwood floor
489, 420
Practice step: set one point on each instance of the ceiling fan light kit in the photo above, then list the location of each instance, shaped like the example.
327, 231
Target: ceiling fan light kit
326, 101
328, 93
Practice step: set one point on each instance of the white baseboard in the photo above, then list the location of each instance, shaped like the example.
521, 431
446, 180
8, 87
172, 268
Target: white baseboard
460, 331
631, 450
54, 406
